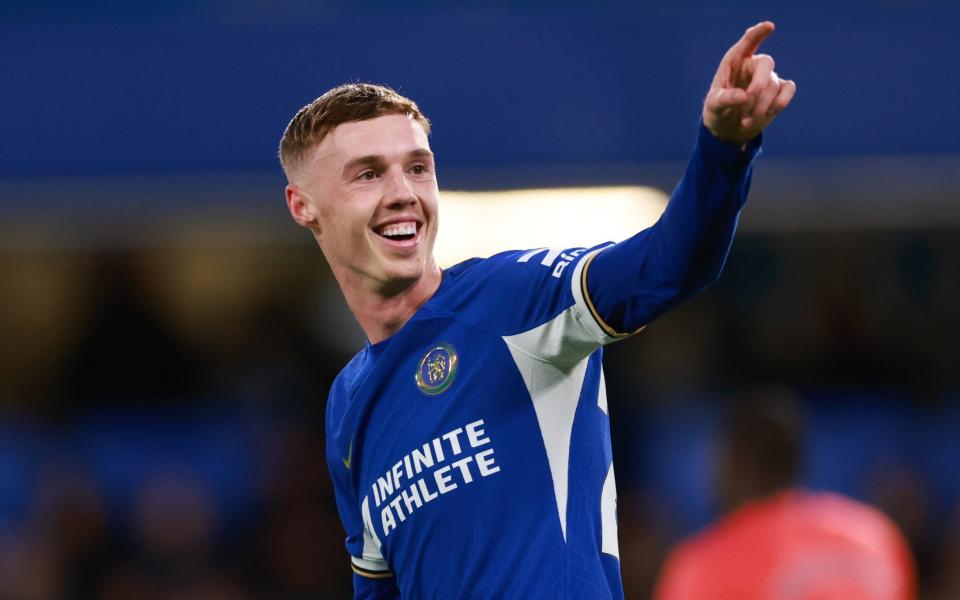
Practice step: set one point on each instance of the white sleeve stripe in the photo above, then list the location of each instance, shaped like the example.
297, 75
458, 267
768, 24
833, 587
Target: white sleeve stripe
555, 392
371, 543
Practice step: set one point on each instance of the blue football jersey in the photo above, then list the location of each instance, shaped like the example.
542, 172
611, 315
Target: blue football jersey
470, 451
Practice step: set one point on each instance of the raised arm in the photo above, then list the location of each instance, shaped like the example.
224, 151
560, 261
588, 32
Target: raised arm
633, 282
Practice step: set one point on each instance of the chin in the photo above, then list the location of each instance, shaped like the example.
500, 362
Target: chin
402, 276
406, 275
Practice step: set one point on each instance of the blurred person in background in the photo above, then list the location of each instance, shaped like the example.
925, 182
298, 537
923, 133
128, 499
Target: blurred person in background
126, 354
780, 542
465, 396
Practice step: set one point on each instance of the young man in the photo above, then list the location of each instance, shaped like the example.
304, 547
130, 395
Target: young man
468, 441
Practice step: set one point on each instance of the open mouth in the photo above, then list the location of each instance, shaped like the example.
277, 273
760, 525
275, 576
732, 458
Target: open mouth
398, 232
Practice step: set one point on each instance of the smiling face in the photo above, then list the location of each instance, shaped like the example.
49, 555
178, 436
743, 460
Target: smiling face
368, 192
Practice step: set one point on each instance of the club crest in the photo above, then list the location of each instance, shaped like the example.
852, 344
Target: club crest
437, 369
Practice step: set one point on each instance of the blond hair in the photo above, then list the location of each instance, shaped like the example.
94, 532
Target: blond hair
342, 104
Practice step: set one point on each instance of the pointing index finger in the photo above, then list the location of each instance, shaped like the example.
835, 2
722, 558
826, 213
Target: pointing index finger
751, 40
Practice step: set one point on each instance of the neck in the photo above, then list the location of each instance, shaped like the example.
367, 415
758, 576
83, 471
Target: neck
382, 312
746, 492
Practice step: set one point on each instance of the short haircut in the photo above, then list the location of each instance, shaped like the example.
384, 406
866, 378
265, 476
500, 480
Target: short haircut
343, 104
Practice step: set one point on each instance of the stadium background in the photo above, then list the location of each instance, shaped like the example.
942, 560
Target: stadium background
167, 335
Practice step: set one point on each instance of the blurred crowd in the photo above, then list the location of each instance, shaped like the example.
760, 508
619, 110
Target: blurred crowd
172, 538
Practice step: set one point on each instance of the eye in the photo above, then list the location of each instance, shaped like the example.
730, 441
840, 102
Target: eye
368, 175
418, 169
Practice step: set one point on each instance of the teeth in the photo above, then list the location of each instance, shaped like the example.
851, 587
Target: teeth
408, 228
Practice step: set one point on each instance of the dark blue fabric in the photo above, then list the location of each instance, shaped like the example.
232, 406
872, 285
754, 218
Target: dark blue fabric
365, 588
496, 535
633, 282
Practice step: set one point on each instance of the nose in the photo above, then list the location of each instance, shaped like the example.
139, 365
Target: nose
398, 191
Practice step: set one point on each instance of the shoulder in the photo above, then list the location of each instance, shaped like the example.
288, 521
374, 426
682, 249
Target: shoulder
861, 522
520, 266
746, 527
343, 384
703, 563
863, 531
504, 265
835, 519
341, 393
513, 290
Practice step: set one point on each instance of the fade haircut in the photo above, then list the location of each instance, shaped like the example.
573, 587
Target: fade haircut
342, 104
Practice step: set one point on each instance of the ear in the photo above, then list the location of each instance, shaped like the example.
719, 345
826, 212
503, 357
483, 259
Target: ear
302, 211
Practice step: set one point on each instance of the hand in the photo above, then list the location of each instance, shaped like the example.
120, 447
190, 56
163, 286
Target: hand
746, 93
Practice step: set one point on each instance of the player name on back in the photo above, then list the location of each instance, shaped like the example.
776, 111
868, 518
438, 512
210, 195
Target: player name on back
438, 467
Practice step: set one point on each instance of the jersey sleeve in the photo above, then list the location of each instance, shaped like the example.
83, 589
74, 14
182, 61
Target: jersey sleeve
559, 305
535, 300
631, 283
366, 588
370, 569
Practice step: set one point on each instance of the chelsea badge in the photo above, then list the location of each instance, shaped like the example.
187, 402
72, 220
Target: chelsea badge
437, 369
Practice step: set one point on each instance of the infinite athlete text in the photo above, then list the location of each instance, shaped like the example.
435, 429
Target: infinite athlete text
437, 467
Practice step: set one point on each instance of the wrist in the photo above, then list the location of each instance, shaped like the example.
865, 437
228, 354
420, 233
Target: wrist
734, 149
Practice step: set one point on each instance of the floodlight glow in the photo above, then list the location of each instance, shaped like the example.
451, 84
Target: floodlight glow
484, 223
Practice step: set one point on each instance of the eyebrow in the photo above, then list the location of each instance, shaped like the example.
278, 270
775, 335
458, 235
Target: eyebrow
379, 159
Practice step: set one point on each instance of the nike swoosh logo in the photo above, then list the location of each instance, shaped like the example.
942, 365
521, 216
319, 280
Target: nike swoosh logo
349, 458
